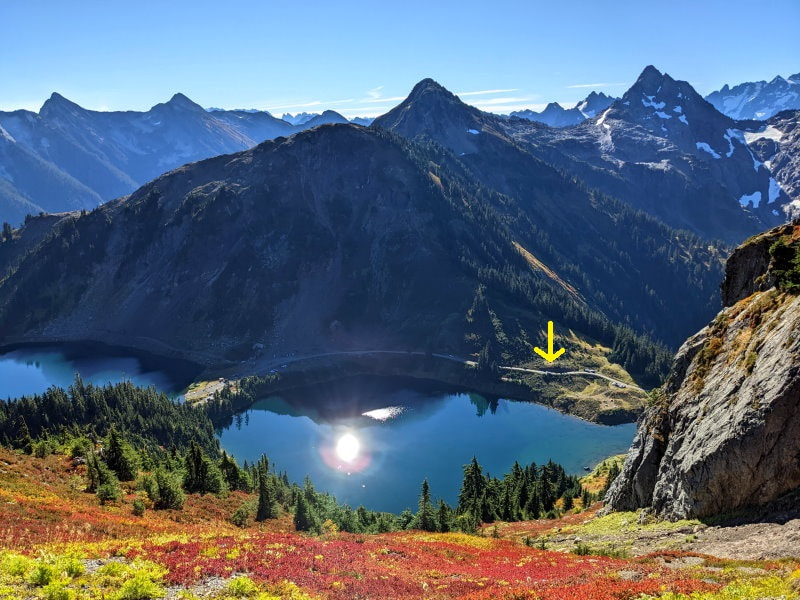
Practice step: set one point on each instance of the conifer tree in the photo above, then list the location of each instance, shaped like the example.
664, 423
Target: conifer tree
305, 519
120, 457
267, 507
426, 520
23, 440
473, 492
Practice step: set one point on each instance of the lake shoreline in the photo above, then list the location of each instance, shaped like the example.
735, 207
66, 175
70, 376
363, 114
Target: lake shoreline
561, 394
536, 389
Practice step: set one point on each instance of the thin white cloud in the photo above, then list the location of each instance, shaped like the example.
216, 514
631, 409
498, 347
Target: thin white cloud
486, 92
375, 92
593, 85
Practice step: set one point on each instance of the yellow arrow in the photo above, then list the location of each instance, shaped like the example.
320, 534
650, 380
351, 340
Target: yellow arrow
549, 356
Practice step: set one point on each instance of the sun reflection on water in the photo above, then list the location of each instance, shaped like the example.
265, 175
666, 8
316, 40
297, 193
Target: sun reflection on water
346, 453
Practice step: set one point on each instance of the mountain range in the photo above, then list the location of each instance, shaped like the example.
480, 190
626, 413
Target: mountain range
440, 225
68, 158
759, 99
556, 115
660, 148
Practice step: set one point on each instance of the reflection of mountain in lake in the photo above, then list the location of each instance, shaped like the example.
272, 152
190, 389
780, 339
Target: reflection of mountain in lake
362, 401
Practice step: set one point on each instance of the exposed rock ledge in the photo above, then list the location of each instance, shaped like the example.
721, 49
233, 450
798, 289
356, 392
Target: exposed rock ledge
725, 434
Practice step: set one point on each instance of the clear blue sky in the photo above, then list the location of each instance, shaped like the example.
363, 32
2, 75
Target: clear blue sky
360, 57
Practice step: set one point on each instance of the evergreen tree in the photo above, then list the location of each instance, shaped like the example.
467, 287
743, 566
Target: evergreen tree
444, 517
305, 519
473, 492
425, 519
613, 472
120, 457
234, 477
102, 480
202, 475
23, 439
168, 490
267, 507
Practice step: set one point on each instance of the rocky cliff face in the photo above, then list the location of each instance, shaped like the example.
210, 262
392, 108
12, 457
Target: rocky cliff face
724, 433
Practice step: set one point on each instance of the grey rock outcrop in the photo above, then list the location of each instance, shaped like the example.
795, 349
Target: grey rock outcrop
724, 433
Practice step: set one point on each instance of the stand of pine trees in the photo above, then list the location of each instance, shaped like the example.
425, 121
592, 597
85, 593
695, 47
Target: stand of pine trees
120, 432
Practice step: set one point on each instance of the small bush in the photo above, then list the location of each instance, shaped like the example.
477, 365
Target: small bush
80, 448
56, 591
140, 587
242, 587
15, 565
583, 550
109, 492
42, 448
113, 569
138, 507
242, 516
43, 574
72, 567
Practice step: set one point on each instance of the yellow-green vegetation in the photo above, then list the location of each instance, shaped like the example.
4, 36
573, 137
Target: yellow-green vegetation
596, 480
761, 588
622, 522
65, 577
584, 394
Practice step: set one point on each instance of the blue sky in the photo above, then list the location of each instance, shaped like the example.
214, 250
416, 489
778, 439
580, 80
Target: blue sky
361, 58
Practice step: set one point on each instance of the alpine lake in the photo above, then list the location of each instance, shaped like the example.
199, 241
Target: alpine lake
369, 441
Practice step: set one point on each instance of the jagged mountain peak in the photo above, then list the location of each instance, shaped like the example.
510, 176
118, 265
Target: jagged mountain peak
650, 75
670, 108
653, 82
181, 101
594, 103
432, 110
57, 103
427, 86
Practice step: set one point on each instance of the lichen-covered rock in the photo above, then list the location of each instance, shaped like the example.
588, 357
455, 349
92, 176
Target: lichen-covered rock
725, 432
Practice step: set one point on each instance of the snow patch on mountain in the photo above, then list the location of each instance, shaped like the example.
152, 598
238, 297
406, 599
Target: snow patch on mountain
774, 190
754, 198
650, 102
769, 132
706, 148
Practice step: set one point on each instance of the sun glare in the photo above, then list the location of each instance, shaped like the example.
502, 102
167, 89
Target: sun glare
347, 447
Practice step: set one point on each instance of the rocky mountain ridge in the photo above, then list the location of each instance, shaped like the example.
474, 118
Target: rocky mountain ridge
66, 157
665, 150
724, 432
759, 99
556, 115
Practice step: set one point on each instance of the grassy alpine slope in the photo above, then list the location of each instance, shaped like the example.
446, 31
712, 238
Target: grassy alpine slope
58, 542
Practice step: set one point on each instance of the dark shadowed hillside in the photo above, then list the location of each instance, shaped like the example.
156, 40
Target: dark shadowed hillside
349, 238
